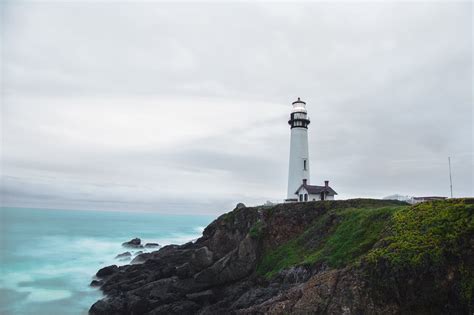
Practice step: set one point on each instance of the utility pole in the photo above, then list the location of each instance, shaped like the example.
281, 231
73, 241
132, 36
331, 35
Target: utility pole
450, 178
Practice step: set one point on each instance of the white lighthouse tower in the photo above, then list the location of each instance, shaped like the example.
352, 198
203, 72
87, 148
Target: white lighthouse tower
299, 188
299, 157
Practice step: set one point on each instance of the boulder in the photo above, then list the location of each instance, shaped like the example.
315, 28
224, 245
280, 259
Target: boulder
240, 205
141, 258
152, 245
96, 283
183, 271
179, 307
116, 306
294, 275
133, 243
125, 255
234, 266
189, 244
202, 258
201, 297
107, 271
138, 305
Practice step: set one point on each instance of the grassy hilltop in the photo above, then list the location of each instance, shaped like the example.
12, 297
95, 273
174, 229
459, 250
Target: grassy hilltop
389, 243
404, 236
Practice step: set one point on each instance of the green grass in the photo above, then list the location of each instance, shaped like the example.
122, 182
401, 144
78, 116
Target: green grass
467, 284
426, 234
399, 236
256, 230
337, 238
229, 217
285, 256
354, 236
430, 240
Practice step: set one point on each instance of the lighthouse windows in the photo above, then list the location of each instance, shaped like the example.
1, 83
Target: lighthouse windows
304, 165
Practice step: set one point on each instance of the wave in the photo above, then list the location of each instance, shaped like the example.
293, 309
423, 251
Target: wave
49, 264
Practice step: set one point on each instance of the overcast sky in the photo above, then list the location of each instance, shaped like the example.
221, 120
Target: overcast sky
183, 108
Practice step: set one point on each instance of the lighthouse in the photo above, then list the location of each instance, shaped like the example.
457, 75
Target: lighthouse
299, 156
299, 188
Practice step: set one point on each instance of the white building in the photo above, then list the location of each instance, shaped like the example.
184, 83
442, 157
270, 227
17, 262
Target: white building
314, 193
399, 198
299, 188
413, 200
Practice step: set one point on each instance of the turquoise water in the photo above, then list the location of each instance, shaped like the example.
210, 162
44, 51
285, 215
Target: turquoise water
48, 257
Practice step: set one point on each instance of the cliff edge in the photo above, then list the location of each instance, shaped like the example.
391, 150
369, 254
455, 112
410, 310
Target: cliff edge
357, 256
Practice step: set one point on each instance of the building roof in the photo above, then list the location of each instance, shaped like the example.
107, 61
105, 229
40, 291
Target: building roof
429, 198
313, 189
298, 101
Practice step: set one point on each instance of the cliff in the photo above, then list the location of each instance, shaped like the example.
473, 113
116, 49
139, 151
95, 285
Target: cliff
356, 256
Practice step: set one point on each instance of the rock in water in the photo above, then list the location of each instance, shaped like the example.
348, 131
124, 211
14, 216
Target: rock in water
96, 283
123, 255
152, 245
140, 258
134, 243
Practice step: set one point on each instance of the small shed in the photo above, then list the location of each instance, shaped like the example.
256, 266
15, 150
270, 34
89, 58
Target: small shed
308, 192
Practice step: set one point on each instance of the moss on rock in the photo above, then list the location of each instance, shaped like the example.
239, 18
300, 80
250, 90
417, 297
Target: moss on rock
426, 234
337, 238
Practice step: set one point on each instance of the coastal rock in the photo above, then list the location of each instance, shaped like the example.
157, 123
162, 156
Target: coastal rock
240, 205
113, 306
177, 308
201, 297
303, 258
107, 271
152, 245
133, 243
202, 258
96, 283
294, 275
183, 271
125, 255
141, 258
138, 305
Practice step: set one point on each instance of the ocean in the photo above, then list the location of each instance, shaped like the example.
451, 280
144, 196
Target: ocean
49, 257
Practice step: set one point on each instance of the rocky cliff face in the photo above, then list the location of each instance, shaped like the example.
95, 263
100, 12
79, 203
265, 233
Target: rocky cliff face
332, 257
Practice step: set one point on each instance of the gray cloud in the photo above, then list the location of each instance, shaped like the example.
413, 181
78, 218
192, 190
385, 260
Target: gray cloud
183, 107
